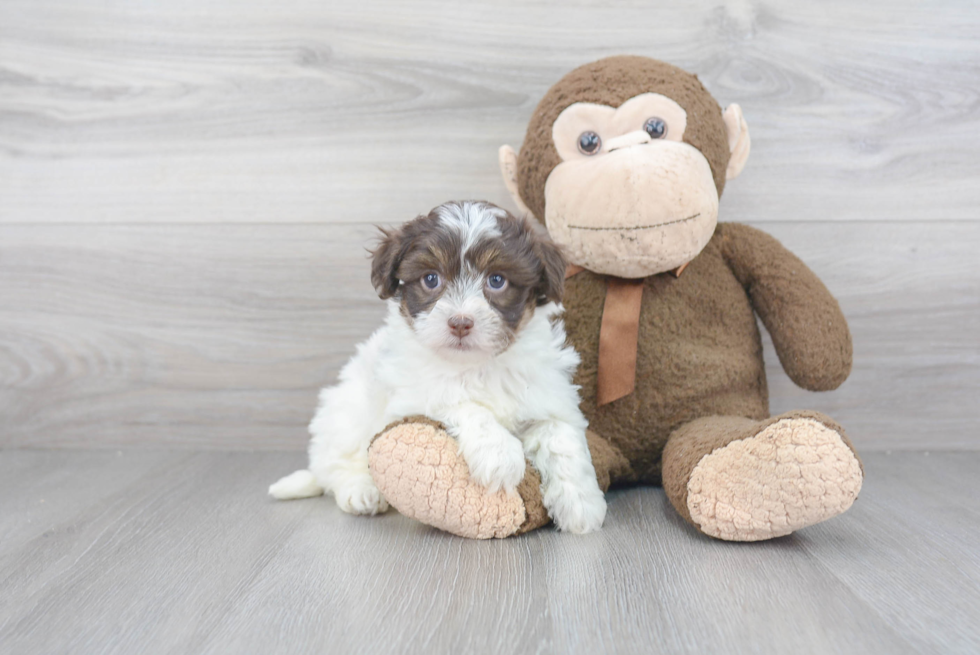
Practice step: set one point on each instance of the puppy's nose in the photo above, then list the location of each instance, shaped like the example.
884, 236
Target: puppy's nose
461, 325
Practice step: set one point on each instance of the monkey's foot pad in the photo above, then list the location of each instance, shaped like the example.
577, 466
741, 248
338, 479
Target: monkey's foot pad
420, 472
794, 473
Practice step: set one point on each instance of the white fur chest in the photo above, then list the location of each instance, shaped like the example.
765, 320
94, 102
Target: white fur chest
513, 385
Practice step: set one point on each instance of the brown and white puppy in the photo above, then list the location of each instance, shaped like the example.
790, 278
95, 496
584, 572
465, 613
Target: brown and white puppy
473, 339
468, 276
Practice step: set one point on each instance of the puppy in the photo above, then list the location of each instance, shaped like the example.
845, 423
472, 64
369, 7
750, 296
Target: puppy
473, 339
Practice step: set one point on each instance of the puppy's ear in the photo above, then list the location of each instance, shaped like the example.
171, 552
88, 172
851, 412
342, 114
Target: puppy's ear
384, 262
552, 284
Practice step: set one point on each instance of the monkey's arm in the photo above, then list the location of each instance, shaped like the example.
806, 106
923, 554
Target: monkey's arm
804, 320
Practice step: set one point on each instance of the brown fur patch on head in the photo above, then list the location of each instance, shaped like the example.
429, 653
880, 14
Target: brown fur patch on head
522, 253
425, 247
407, 253
552, 286
611, 82
384, 262
530, 262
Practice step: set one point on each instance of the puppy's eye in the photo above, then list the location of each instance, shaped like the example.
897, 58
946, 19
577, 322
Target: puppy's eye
655, 127
431, 281
496, 282
589, 143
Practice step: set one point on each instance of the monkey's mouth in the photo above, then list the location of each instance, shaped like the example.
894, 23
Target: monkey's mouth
635, 227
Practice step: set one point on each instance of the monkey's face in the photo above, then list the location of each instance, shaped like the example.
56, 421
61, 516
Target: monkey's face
630, 198
624, 161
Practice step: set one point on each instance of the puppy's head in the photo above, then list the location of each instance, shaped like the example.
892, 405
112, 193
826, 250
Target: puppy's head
468, 276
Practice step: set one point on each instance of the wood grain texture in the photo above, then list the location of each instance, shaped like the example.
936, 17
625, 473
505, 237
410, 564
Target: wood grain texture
313, 112
192, 557
926, 521
219, 336
186, 191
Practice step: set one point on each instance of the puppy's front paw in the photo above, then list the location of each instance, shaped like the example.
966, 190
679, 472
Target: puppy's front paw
497, 464
576, 510
360, 497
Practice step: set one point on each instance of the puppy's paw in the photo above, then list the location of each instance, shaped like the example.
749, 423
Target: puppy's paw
574, 509
360, 497
497, 463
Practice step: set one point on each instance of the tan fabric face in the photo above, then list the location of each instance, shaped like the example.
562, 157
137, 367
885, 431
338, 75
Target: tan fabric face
613, 82
633, 212
612, 124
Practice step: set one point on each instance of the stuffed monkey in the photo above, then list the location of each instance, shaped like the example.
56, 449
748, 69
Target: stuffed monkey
624, 162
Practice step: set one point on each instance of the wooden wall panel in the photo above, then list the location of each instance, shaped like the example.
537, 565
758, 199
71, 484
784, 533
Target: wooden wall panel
186, 190
307, 111
218, 336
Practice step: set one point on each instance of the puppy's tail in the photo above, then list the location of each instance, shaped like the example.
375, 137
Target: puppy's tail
301, 484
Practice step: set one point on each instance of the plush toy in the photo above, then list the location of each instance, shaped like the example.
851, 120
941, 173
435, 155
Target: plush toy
624, 161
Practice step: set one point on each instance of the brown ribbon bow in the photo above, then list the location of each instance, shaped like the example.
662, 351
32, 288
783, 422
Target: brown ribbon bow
618, 335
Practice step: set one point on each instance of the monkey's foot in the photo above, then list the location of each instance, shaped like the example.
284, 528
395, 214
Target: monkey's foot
421, 473
795, 472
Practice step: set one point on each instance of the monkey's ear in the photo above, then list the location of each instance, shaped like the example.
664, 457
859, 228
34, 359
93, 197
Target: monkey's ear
384, 263
507, 157
552, 284
738, 140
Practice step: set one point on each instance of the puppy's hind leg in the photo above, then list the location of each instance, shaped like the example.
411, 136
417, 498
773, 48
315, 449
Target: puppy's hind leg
301, 484
348, 415
341, 431
349, 480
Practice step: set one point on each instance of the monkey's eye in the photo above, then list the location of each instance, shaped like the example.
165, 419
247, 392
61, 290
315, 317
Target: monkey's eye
655, 127
431, 281
589, 143
497, 282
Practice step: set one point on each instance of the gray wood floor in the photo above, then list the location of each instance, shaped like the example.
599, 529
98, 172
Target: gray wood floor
181, 552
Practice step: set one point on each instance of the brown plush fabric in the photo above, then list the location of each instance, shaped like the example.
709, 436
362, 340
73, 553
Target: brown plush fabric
807, 327
690, 443
419, 418
530, 492
610, 464
611, 82
700, 351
